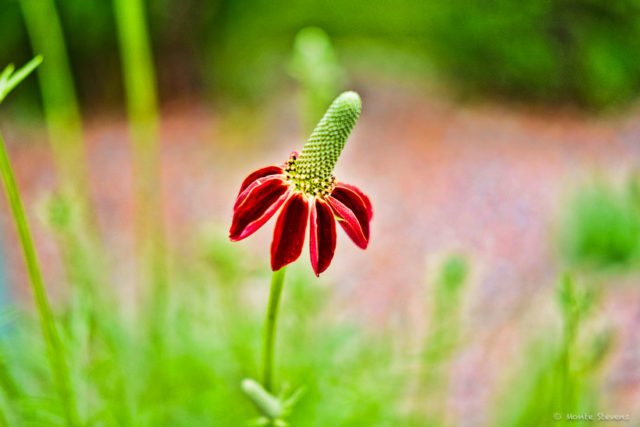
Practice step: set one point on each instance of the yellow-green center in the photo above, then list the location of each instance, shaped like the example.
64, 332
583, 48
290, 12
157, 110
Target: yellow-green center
312, 186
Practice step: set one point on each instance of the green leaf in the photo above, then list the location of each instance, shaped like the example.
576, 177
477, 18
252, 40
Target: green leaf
4, 77
9, 80
269, 405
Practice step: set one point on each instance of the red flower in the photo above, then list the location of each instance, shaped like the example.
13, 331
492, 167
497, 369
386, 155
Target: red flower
320, 203
307, 191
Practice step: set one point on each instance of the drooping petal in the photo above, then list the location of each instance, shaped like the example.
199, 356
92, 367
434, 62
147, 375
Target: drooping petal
256, 205
353, 214
359, 192
260, 173
322, 236
288, 236
255, 183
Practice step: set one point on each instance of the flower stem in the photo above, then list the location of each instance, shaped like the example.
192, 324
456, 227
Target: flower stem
142, 107
277, 280
53, 344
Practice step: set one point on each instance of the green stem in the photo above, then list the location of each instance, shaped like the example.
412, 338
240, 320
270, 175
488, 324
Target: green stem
567, 388
142, 105
277, 280
60, 103
64, 124
52, 340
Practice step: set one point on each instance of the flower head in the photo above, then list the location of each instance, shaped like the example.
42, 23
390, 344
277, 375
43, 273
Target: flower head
306, 190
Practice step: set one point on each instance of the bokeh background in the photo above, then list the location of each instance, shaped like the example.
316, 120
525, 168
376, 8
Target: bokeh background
499, 146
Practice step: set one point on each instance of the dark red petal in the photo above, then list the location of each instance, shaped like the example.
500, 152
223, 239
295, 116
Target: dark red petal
254, 184
363, 196
353, 212
288, 237
256, 205
322, 236
260, 173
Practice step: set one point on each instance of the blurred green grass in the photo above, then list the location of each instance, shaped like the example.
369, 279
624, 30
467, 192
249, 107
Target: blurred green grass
192, 374
600, 226
581, 52
351, 374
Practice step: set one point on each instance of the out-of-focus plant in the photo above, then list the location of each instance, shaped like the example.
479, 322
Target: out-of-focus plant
54, 347
61, 108
601, 227
209, 347
64, 124
556, 51
308, 192
4, 282
10, 78
558, 377
444, 326
443, 338
315, 65
142, 104
575, 303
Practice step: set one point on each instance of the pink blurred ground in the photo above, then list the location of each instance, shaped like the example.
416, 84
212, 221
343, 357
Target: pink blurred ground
483, 180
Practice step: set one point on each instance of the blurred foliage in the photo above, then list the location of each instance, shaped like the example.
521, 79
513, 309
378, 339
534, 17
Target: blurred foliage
124, 375
446, 298
581, 51
576, 51
559, 372
315, 65
443, 338
453, 274
601, 226
192, 374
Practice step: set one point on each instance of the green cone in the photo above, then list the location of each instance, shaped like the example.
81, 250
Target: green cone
321, 152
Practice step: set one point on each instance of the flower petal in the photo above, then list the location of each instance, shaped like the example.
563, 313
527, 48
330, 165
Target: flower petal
260, 173
258, 181
353, 212
288, 236
322, 236
256, 205
363, 196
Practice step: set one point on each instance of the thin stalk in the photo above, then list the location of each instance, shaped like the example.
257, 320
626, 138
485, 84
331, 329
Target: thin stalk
64, 124
142, 105
9, 395
55, 351
60, 103
7, 382
277, 281
566, 376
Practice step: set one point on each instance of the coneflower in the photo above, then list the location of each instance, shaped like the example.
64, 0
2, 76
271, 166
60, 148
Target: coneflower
307, 192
